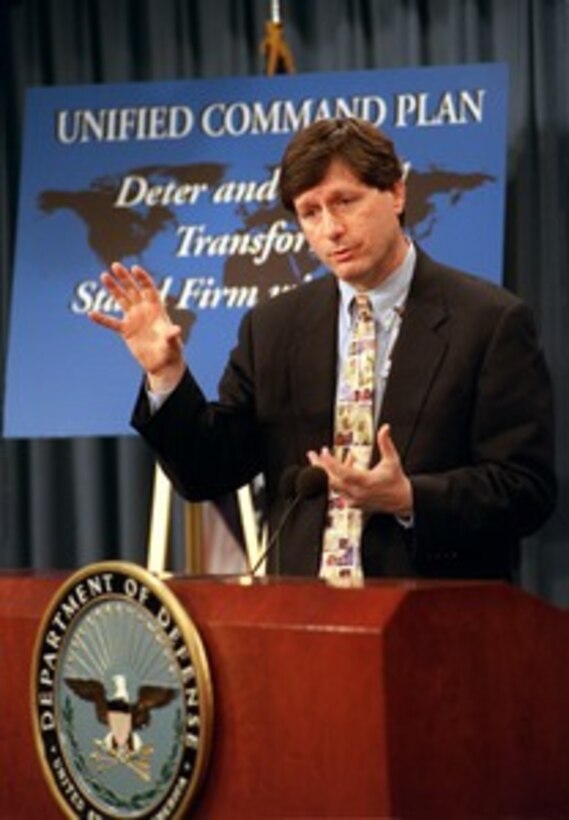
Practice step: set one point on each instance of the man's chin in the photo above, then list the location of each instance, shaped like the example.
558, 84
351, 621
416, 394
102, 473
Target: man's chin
351, 274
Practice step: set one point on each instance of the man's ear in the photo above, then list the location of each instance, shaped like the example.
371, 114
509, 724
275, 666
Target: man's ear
399, 193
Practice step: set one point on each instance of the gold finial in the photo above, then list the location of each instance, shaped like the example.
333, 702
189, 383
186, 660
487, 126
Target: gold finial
278, 56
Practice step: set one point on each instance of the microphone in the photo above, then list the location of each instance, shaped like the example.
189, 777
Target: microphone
311, 482
287, 484
296, 485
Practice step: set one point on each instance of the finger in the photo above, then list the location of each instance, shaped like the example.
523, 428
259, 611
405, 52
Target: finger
145, 284
329, 461
323, 459
385, 443
120, 296
102, 319
349, 460
111, 284
127, 282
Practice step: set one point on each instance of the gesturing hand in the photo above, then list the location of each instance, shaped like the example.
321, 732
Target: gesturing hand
150, 335
382, 488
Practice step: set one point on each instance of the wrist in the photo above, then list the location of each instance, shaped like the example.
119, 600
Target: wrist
404, 505
166, 379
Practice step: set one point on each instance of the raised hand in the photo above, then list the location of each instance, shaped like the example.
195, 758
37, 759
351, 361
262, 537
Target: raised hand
148, 332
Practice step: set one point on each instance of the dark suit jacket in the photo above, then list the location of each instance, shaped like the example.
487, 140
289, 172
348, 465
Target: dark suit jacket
469, 403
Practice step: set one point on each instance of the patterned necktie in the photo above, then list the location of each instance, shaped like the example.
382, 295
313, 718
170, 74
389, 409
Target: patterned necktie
353, 434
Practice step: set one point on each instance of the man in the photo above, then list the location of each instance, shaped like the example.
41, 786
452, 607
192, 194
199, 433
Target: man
461, 466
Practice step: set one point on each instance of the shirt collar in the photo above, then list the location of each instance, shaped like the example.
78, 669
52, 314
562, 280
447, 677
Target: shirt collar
388, 296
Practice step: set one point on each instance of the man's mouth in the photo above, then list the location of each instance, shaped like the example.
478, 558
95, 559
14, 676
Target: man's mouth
342, 254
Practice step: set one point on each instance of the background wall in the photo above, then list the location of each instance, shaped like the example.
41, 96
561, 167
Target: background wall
64, 503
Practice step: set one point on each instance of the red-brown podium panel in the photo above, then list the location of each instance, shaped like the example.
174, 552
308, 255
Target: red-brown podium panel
398, 700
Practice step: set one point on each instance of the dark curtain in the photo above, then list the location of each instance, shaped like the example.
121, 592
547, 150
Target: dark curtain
68, 502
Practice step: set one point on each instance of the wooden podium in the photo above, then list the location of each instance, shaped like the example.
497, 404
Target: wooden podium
397, 700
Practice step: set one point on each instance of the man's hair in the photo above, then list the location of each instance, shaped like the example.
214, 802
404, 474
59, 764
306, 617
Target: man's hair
368, 153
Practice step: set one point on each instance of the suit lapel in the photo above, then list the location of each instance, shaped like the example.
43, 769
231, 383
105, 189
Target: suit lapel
313, 362
417, 357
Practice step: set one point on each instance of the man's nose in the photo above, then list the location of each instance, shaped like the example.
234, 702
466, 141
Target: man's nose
332, 226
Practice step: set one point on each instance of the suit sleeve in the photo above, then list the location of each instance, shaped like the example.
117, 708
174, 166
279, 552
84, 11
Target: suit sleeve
506, 489
207, 448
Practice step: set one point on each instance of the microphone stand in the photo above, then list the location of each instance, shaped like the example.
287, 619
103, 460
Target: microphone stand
308, 483
274, 539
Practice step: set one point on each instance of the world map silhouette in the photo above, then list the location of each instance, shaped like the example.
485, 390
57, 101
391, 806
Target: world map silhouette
117, 234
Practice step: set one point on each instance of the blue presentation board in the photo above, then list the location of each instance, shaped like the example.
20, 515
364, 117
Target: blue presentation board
181, 177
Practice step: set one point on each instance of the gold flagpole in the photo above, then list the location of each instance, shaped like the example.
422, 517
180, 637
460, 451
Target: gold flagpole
160, 515
278, 56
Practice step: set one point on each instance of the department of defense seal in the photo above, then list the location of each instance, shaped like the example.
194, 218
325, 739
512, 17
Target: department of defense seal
121, 696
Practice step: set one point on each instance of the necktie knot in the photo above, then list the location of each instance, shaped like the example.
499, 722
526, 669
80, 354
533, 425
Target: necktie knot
364, 309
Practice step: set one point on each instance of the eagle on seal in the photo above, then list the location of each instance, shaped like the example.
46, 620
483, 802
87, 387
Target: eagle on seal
119, 713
